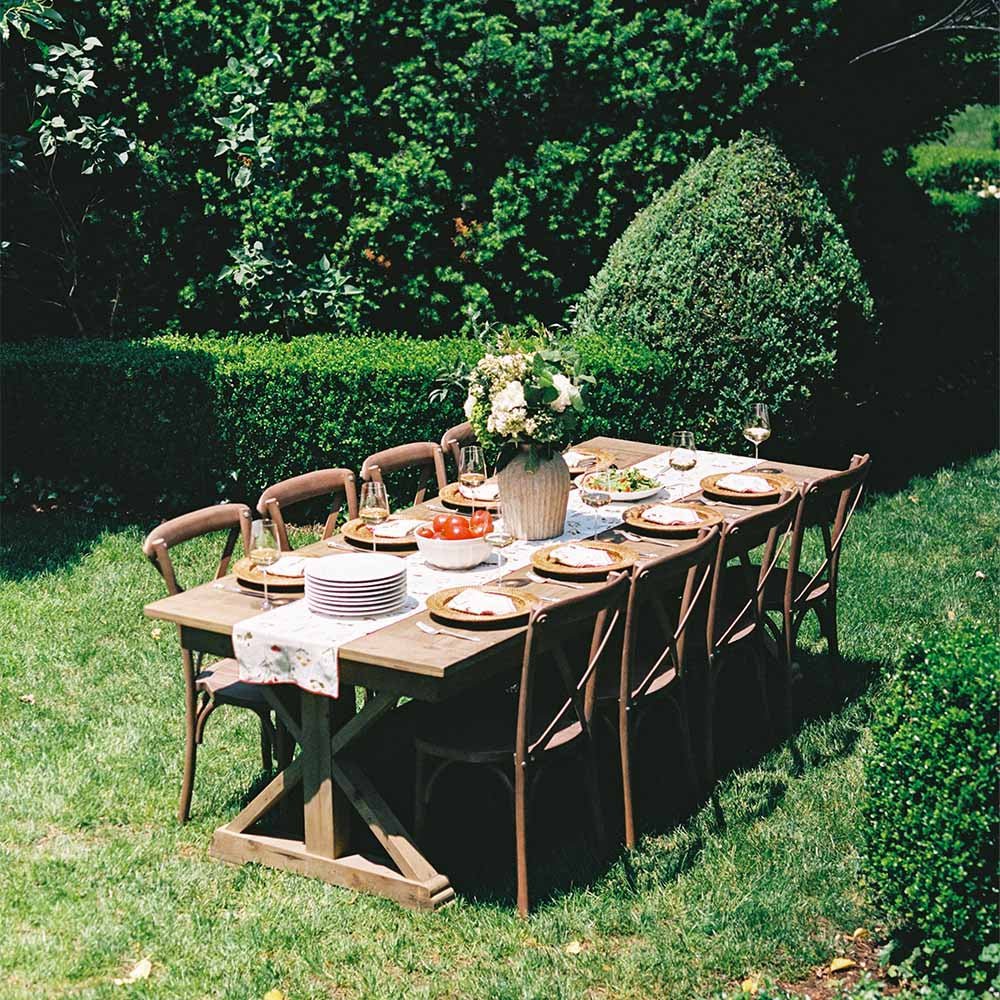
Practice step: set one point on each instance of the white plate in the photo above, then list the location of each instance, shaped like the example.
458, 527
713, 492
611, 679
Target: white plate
619, 497
350, 590
377, 613
355, 567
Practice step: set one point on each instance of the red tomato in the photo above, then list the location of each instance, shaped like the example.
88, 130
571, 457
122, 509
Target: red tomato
440, 520
482, 518
427, 531
457, 529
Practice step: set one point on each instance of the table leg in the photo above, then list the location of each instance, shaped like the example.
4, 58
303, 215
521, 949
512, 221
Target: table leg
331, 785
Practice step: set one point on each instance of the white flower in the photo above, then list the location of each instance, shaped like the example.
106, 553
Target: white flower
470, 402
510, 397
567, 392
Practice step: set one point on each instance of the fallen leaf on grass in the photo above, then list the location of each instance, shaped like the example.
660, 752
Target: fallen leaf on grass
156, 633
913, 499
28, 699
842, 964
862, 933
575, 947
274, 995
951, 616
751, 985
980, 575
140, 970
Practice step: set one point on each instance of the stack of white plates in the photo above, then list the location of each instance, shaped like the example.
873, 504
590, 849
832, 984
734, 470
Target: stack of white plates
355, 585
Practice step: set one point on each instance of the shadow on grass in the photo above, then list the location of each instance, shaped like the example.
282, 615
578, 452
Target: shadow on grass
470, 824
35, 544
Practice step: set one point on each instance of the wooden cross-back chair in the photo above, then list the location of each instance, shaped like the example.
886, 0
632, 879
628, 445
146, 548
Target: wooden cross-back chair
828, 503
555, 705
455, 439
423, 456
338, 484
663, 595
217, 683
736, 619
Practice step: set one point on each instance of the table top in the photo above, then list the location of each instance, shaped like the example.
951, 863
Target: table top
399, 657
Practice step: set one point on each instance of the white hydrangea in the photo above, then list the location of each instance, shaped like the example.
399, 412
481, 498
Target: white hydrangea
567, 392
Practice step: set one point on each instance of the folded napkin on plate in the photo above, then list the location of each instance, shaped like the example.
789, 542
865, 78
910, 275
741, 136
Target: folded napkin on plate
486, 492
479, 602
665, 514
744, 484
580, 555
578, 459
286, 566
396, 528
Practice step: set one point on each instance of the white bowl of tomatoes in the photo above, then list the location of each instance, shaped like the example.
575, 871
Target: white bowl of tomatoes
452, 541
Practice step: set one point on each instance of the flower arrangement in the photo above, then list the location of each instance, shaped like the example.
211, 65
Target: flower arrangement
526, 397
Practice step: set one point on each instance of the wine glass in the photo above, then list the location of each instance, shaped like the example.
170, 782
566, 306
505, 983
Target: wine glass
757, 427
374, 508
595, 499
265, 552
684, 451
499, 536
472, 469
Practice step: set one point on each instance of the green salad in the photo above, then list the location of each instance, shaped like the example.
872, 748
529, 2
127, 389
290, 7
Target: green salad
621, 481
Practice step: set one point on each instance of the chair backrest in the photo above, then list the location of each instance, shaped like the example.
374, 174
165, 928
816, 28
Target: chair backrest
678, 581
739, 539
551, 629
236, 518
455, 439
828, 503
424, 456
338, 484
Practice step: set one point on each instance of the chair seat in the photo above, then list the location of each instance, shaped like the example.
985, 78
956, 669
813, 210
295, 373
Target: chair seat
476, 730
221, 679
774, 588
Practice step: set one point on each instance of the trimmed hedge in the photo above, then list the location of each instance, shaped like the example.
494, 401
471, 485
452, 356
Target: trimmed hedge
174, 422
742, 272
953, 168
932, 814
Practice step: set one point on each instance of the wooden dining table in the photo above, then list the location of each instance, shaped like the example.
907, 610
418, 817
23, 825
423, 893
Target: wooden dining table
396, 661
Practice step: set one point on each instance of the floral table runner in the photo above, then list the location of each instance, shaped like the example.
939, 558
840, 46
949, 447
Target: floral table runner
291, 645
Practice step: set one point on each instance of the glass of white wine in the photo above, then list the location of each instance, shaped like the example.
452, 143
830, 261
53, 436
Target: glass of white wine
595, 499
757, 427
472, 469
499, 536
265, 552
683, 451
373, 508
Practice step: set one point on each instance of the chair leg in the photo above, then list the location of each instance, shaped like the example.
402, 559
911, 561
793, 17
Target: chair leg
709, 734
267, 740
760, 663
830, 629
521, 838
625, 749
788, 635
593, 781
190, 762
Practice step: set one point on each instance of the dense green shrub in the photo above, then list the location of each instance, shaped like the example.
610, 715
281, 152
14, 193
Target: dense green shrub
174, 421
742, 274
931, 773
483, 151
953, 168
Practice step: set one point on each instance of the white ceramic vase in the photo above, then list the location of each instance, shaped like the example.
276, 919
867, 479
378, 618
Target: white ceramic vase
534, 500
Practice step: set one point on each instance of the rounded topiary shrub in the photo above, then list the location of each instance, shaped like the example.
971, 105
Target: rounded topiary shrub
743, 274
932, 819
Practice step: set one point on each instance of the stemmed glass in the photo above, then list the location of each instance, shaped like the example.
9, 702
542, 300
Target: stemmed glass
472, 469
757, 427
265, 552
374, 508
595, 499
499, 536
684, 451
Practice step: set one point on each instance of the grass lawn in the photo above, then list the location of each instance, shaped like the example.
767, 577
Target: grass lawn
95, 873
